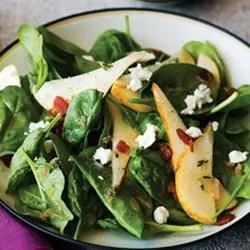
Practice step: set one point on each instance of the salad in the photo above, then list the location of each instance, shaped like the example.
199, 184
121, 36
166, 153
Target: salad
123, 137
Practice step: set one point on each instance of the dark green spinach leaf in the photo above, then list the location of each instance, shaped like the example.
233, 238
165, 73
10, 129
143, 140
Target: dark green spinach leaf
83, 116
123, 206
113, 45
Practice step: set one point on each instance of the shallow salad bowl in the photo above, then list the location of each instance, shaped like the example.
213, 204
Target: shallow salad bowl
155, 29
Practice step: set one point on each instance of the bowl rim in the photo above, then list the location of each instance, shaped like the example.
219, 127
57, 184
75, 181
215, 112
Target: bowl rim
4, 52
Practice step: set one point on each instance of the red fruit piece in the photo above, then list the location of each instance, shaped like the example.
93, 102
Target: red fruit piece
185, 138
6, 159
122, 147
224, 219
60, 106
166, 151
172, 189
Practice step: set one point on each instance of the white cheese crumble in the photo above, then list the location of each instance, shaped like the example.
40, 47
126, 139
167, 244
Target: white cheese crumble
200, 97
9, 77
35, 125
236, 156
194, 132
100, 177
161, 215
137, 75
88, 58
148, 138
215, 126
103, 155
135, 84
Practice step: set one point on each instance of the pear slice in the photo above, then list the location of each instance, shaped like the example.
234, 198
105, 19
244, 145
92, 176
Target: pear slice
185, 57
172, 122
193, 166
207, 63
124, 95
219, 193
121, 131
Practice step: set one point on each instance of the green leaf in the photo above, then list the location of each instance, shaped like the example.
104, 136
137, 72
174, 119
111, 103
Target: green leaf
62, 153
32, 41
82, 116
238, 121
153, 228
152, 172
241, 101
113, 45
123, 206
108, 223
50, 182
16, 113
196, 48
179, 80
19, 168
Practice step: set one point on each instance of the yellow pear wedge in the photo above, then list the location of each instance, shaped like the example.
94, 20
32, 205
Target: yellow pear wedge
124, 95
207, 63
172, 122
121, 131
193, 167
185, 57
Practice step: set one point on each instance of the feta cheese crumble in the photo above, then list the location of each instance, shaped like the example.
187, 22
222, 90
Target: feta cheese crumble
200, 97
9, 77
215, 126
103, 155
137, 75
35, 125
135, 84
161, 215
193, 132
100, 177
88, 58
236, 156
148, 138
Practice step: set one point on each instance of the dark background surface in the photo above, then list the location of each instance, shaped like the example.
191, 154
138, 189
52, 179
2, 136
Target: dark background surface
233, 15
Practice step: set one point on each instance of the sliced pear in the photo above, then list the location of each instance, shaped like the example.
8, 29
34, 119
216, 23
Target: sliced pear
207, 63
224, 198
185, 57
121, 131
172, 122
193, 166
124, 95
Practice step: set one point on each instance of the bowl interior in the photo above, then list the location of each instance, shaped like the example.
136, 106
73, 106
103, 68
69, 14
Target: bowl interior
164, 31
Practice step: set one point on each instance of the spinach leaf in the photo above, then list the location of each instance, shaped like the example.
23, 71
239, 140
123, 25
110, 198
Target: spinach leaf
82, 116
62, 153
32, 41
196, 48
19, 168
151, 171
179, 80
152, 228
51, 38
241, 101
123, 206
84, 66
50, 182
238, 121
16, 113
108, 223
113, 45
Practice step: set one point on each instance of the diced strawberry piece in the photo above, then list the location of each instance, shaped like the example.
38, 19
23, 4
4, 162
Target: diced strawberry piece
185, 138
171, 189
60, 106
224, 219
122, 147
166, 151
6, 159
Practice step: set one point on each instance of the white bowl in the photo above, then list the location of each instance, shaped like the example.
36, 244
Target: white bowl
155, 29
